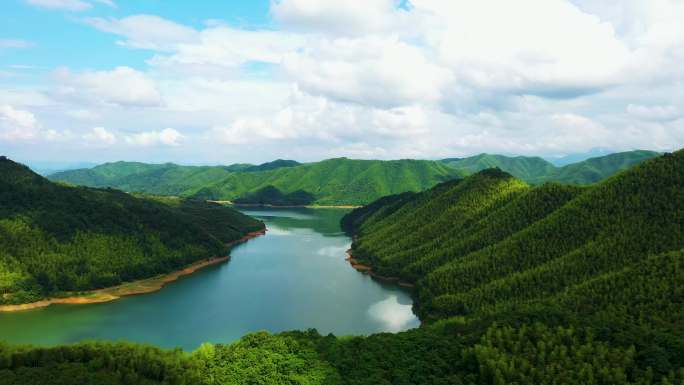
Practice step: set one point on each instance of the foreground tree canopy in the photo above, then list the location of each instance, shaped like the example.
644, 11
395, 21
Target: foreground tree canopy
515, 285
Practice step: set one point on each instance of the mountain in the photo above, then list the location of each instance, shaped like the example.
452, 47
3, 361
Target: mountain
515, 284
278, 163
536, 170
596, 169
523, 271
339, 181
447, 239
161, 179
56, 238
523, 167
565, 160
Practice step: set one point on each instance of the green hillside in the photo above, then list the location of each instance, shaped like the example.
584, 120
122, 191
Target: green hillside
515, 284
536, 170
591, 271
162, 179
336, 181
596, 169
523, 167
330, 182
55, 238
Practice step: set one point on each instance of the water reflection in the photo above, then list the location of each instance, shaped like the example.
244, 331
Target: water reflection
334, 251
394, 315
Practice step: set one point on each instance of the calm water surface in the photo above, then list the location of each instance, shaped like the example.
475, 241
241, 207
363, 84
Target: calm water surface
295, 277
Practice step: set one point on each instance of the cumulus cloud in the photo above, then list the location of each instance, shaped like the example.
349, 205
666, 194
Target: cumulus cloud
337, 17
123, 86
387, 79
100, 136
21, 125
17, 124
166, 137
375, 71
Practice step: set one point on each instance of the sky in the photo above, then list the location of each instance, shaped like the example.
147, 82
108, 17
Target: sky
226, 81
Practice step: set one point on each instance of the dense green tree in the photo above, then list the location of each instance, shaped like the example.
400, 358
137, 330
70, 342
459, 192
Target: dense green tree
55, 238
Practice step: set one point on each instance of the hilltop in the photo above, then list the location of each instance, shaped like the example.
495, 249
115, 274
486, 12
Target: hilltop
338, 181
536, 170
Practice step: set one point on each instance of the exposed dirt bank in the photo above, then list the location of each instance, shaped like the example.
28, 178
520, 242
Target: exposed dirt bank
142, 286
366, 269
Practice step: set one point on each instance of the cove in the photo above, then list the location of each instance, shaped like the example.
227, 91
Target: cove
294, 277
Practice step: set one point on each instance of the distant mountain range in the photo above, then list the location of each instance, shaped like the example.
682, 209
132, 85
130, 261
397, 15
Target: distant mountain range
338, 181
536, 170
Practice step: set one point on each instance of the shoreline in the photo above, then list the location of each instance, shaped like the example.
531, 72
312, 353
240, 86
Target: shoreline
139, 287
268, 205
367, 269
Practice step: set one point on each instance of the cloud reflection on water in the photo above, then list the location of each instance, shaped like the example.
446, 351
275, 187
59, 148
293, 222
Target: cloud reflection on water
392, 314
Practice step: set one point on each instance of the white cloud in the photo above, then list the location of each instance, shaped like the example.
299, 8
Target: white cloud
223, 46
146, 31
429, 78
15, 43
123, 86
338, 17
99, 136
372, 71
69, 5
17, 124
82, 114
166, 137
657, 113
22, 125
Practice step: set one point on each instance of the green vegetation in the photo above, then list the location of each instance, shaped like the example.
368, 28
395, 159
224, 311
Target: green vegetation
330, 182
56, 238
515, 284
536, 170
161, 179
548, 284
270, 195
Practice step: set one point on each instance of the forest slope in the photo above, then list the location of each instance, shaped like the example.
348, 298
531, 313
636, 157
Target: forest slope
491, 239
516, 284
55, 238
330, 182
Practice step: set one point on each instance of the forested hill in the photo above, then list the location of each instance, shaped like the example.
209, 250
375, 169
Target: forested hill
607, 259
536, 170
517, 284
55, 238
163, 179
339, 181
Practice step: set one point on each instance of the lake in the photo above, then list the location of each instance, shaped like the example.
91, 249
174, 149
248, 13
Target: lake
294, 277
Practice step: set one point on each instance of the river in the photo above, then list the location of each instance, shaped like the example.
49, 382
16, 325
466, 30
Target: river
294, 277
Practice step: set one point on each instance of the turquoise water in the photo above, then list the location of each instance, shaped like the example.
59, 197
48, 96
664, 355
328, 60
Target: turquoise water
294, 277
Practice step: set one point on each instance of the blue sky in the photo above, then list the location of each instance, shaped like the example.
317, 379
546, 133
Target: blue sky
61, 38
250, 81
